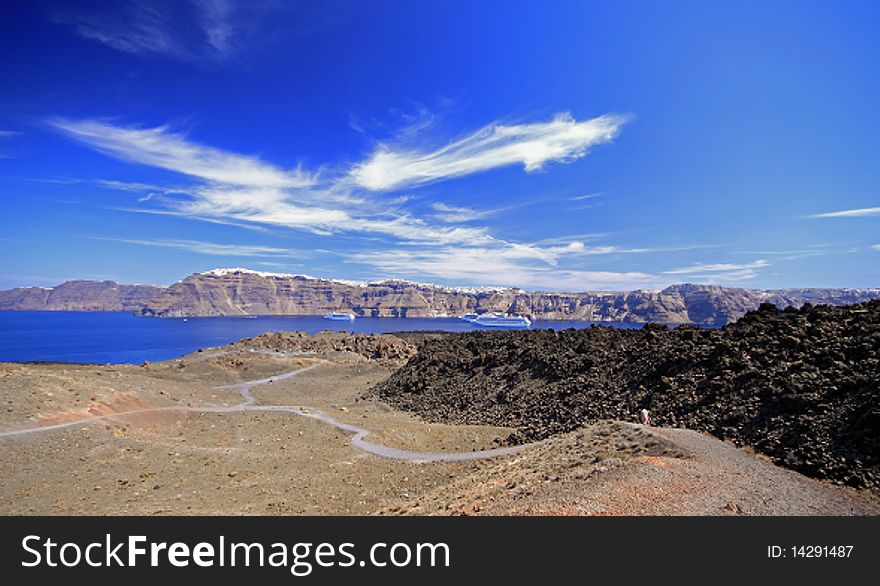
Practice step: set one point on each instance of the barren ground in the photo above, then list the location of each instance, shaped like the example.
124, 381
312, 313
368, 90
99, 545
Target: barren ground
136, 461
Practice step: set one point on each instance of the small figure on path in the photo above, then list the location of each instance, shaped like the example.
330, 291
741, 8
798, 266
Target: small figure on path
645, 417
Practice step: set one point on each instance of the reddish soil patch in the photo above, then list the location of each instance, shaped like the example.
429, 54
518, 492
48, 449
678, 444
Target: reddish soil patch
115, 405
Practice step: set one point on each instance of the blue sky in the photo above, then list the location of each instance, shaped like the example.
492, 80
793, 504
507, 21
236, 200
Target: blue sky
546, 145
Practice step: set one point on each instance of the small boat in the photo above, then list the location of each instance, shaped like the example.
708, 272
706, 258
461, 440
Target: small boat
470, 317
340, 316
496, 320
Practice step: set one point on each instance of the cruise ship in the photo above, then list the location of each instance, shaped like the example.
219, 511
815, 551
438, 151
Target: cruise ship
340, 316
496, 320
470, 317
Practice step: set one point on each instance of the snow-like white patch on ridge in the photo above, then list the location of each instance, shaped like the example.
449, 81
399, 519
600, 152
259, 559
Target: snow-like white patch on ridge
489, 289
223, 272
234, 271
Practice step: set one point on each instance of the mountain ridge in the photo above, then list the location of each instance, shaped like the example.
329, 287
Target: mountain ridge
79, 295
237, 292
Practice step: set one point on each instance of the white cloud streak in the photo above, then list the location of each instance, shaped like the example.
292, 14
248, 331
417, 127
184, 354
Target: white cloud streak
193, 30
212, 248
129, 186
508, 265
455, 214
216, 21
857, 213
562, 139
717, 268
720, 272
246, 191
587, 196
520, 265
159, 147
7, 134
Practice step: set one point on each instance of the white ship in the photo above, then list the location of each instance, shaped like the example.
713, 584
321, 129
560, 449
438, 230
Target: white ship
497, 320
470, 317
340, 316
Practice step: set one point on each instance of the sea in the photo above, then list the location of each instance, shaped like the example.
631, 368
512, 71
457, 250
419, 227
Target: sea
123, 338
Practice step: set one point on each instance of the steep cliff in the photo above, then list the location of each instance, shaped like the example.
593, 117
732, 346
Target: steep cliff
244, 292
80, 296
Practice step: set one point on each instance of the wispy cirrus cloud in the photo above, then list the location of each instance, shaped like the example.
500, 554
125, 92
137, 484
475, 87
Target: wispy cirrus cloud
516, 265
160, 147
586, 196
720, 272
132, 186
454, 214
562, 139
856, 213
211, 248
876, 247
185, 216
138, 29
217, 24
245, 190
313, 212
4, 134
187, 30
522, 266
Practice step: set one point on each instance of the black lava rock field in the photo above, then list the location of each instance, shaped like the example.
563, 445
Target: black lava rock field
798, 385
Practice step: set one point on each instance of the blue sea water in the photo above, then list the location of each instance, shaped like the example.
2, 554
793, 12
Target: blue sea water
121, 337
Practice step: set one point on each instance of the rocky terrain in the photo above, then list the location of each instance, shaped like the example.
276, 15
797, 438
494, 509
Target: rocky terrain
232, 292
80, 296
800, 386
385, 349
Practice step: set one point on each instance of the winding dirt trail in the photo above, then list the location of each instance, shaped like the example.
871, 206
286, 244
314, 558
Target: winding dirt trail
249, 403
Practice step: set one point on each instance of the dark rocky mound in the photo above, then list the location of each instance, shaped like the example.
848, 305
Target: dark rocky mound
801, 386
383, 348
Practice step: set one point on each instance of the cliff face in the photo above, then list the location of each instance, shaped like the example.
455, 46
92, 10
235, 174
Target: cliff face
80, 296
250, 293
241, 292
